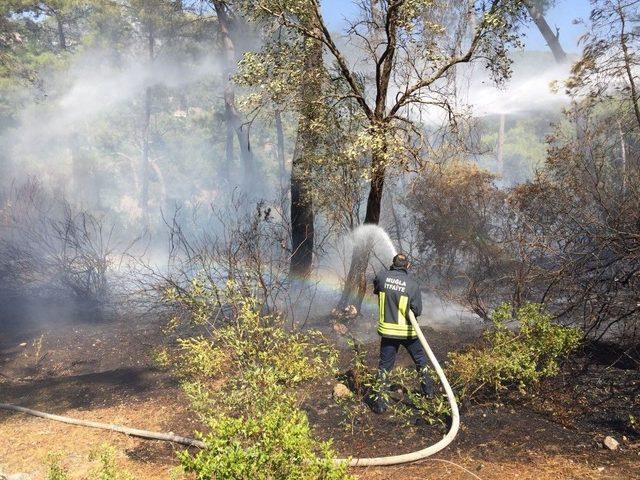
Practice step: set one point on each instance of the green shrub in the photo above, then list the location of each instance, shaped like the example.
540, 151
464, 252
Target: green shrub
271, 440
243, 378
518, 350
251, 340
518, 356
107, 468
55, 471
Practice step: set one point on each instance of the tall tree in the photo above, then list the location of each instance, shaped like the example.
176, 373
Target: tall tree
415, 52
233, 118
307, 141
536, 9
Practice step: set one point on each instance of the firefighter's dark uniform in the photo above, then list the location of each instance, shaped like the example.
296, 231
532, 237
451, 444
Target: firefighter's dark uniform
397, 293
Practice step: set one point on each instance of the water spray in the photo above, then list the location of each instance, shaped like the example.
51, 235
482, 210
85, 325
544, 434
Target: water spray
353, 462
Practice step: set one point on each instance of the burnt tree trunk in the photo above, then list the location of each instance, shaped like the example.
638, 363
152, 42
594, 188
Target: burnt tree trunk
307, 142
355, 285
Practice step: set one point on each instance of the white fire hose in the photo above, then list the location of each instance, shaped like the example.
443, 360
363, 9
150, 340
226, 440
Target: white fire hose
432, 449
353, 462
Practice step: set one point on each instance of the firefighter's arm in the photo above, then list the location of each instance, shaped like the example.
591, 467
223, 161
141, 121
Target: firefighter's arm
416, 301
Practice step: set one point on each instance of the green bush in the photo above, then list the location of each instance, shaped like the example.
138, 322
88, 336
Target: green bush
519, 356
243, 378
271, 440
518, 350
55, 471
107, 468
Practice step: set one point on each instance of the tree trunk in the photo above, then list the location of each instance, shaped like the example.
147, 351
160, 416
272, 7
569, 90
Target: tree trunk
146, 126
396, 222
548, 35
227, 168
144, 168
302, 221
307, 141
233, 117
500, 156
280, 145
355, 285
62, 39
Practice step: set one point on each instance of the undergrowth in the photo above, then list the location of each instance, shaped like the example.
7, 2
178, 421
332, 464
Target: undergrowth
518, 349
106, 468
244, 379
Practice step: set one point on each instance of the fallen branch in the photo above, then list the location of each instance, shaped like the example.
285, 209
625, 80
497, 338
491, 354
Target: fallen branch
134, 432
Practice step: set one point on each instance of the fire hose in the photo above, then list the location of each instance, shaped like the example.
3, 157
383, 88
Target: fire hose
432, 449
354, 462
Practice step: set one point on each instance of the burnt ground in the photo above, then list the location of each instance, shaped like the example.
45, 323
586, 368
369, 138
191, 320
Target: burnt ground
104, 371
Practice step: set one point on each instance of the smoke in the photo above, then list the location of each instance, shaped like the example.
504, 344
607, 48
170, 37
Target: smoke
320, 293
535, 86
92, 89
523, 93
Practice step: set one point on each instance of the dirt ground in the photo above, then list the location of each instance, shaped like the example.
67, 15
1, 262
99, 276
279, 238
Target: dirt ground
104, 371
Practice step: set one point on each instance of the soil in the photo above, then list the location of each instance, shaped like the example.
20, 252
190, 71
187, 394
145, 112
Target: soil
104, 371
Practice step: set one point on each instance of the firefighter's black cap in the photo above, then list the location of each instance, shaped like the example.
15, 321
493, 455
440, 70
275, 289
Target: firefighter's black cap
401, 261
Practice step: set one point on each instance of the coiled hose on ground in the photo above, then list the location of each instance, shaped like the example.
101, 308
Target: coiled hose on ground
354, 462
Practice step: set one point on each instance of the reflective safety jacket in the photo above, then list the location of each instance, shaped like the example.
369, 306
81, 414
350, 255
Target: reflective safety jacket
397, 293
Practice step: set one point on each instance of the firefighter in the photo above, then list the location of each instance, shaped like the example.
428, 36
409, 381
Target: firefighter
397, 293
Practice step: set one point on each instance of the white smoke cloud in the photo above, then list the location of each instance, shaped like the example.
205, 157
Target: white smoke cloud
520, 94
92, 87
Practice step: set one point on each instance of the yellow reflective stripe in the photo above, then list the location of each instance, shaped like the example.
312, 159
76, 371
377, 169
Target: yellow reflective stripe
402, 310
395, 327
406, 332
381, 305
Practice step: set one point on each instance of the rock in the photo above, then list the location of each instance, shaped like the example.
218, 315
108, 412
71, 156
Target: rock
611, 443
350, 311
340, 390
340, 328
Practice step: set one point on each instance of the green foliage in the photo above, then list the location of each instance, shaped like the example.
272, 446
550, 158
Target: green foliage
519, 350
242, 380
272, 440
55, 471
518, 356
250, 341
107, 468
